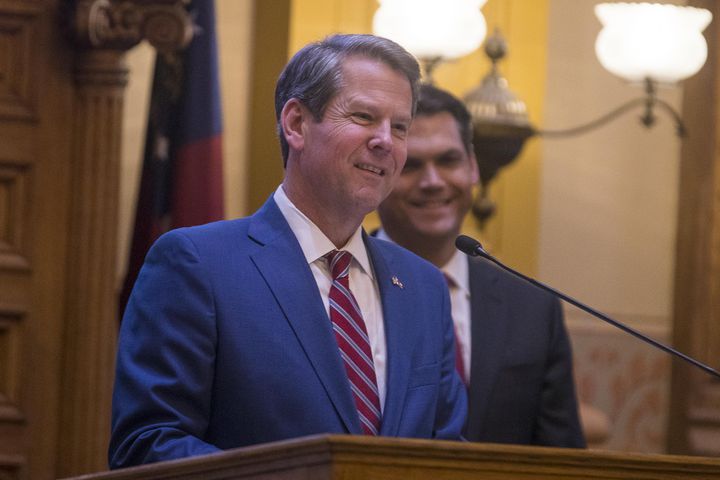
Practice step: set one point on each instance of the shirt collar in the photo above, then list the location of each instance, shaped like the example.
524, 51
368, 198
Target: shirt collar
313, 242
457, 269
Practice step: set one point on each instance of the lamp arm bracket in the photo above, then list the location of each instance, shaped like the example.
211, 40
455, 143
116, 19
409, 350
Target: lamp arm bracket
680, 129
648, 101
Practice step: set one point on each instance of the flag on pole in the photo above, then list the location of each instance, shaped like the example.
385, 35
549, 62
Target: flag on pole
181, 182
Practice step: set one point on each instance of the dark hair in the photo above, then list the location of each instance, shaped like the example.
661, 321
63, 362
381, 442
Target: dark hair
434, 100
314, 74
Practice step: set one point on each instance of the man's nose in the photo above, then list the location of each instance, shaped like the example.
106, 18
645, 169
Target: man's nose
431, 176
382, 137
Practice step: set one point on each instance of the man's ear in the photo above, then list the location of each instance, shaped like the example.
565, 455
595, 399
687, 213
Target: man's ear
475, 173
292, 117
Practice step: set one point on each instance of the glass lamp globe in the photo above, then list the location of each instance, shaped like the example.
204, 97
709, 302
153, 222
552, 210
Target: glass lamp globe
432, 29
660, 42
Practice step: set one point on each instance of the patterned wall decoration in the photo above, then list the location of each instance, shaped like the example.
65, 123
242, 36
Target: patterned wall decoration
624, 378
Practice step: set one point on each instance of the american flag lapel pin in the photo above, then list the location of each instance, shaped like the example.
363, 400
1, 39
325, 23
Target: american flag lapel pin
396, 281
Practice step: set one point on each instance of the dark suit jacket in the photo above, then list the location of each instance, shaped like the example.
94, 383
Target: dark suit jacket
225, 343
521, 387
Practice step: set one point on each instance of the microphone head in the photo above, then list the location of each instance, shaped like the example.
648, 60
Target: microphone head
468, 245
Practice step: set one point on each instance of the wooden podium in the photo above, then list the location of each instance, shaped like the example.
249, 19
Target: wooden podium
341, 457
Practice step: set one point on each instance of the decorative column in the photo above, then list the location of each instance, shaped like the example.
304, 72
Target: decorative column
103, 31
695, 396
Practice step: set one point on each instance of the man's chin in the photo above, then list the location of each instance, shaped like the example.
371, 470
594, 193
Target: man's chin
436, 232
369, 203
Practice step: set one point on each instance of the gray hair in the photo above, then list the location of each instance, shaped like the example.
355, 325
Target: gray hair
314, 74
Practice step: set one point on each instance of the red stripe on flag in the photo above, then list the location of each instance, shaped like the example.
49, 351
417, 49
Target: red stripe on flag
198, 186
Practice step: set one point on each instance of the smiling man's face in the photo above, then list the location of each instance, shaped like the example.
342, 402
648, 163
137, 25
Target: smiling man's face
434, 191
352, 157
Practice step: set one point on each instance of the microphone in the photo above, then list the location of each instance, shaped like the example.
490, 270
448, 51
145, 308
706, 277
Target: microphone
472, 247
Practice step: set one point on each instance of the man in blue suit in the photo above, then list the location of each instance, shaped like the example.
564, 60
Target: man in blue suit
233, 336
514, 350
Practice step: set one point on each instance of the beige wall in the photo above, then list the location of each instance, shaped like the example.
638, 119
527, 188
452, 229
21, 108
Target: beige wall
314, 19
608, 198
608, 203
140, 61
234, 24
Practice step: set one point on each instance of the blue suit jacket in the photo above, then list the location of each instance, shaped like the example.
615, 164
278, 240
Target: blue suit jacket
225, 342
521, 384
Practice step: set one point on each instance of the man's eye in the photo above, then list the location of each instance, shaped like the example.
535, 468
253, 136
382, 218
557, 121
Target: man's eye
411, 165
362, 116
400, 128
450, 160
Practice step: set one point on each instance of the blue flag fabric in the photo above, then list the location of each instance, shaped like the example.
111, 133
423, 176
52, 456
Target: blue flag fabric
182, 180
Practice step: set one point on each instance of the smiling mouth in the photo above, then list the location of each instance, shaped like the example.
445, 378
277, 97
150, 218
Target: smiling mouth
431, 203
370, 168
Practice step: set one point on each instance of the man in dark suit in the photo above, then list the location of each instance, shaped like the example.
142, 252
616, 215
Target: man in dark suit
257, 329
513, 346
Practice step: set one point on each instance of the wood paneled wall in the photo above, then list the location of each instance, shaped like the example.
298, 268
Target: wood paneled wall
36, 105
62, 80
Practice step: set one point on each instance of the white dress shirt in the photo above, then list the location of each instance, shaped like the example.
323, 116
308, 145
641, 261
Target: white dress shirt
458, 271
315, 244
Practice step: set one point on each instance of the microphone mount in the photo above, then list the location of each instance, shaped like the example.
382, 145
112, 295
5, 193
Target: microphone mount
472, 247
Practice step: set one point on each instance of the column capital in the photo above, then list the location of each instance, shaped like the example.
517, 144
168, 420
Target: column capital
122, 24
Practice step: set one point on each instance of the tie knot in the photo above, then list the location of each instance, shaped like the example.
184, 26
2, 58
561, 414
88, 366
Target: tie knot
339, 261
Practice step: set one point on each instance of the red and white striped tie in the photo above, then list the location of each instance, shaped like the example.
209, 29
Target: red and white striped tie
353, 342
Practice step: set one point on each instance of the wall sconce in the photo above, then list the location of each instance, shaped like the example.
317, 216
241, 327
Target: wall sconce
645, 44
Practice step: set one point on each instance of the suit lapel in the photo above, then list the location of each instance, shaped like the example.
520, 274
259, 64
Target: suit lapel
283, 266
397, 328
488, 332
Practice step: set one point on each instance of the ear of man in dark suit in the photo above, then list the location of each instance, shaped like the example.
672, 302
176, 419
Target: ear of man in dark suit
234, 334
514, 346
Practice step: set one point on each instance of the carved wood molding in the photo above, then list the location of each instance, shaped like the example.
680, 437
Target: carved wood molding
102, 31
122, 24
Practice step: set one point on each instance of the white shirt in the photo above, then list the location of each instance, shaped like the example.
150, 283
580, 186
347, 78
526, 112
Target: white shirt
459, 272
315, 244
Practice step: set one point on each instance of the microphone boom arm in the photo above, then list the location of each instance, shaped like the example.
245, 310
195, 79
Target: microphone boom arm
473, 248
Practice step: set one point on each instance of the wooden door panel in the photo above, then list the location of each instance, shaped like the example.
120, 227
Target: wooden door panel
62, 80
18, 29
35, 144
